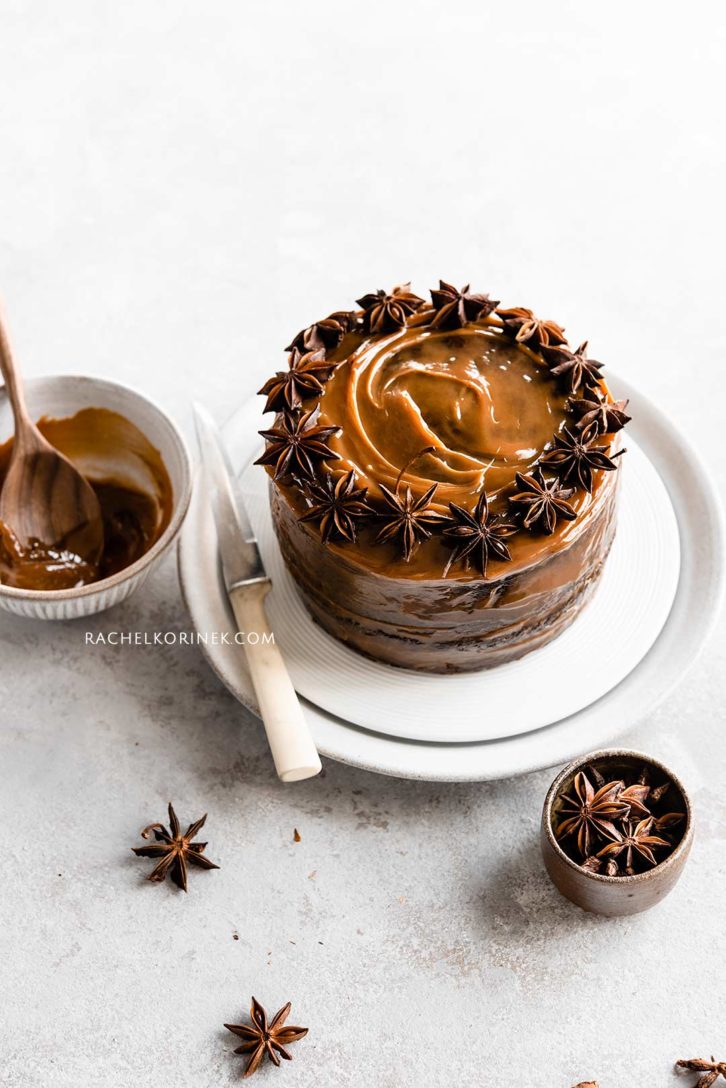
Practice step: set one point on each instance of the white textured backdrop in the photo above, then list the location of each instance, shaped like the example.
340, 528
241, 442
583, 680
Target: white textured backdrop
182, 186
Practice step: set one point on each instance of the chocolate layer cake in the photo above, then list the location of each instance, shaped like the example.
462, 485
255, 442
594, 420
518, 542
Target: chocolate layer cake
444, 478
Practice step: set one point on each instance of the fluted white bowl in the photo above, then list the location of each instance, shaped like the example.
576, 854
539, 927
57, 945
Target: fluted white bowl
63, 396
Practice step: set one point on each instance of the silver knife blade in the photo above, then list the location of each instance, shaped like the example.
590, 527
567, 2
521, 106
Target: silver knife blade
240, 556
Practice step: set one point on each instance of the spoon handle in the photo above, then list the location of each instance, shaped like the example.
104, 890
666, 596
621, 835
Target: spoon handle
12, 380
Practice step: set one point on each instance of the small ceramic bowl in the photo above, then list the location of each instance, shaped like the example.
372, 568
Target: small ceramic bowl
63, 396
597, 892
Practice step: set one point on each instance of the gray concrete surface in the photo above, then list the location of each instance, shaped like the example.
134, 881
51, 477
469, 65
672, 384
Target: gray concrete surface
182, 185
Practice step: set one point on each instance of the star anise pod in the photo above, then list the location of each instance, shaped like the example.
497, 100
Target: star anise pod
573, 366
296, 443
657, 792
266, 1037
636, 840
408, 518
607, 416
455, 308
386, 311
711, 1070
589, 813
530, 330
668, 820
324, 335
477, 536
575, 456
304, 378
338, 505
635, 796
542, 502
174, 850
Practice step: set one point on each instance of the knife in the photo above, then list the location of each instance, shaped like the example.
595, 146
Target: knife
247, 585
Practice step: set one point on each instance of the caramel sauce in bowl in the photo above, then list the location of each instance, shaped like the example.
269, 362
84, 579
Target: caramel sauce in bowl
136, 461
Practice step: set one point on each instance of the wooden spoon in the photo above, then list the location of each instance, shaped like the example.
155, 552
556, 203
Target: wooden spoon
44, 497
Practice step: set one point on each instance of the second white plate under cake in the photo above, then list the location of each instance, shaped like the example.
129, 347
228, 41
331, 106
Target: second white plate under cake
604, 643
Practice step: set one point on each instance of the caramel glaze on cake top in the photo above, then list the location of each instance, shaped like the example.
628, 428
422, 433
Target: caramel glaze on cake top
487, 405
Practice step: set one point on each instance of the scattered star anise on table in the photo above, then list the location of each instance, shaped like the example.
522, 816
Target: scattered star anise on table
407, 518
266, 1037
541, 502
575, 456
636, 840
607, 416
386, 311
588, 812
295, 443
710, 1071
477, 536
304, 378
530, 330
174, 850
573, 366
456, 308
338, 505
324, 335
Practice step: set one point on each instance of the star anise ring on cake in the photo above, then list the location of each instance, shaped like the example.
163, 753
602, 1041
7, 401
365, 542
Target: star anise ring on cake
443, 475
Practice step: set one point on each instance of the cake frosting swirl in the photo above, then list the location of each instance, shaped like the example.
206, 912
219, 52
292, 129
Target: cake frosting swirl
465, 398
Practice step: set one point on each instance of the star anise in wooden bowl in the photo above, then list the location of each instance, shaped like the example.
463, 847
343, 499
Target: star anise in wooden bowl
616, 831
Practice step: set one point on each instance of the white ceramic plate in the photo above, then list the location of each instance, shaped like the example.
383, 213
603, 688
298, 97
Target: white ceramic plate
594, 654
645, 681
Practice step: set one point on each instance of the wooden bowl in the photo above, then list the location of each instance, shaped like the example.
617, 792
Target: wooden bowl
597, 892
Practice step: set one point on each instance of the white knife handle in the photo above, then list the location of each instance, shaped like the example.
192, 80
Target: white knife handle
291, 744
